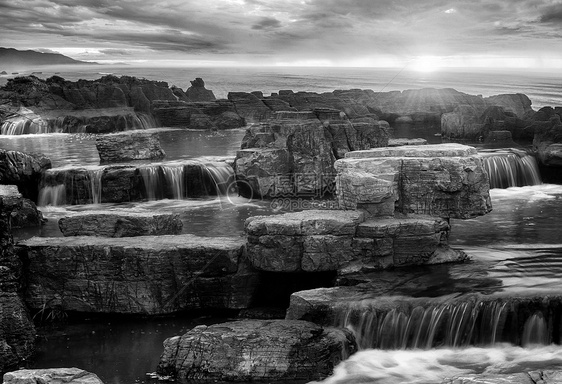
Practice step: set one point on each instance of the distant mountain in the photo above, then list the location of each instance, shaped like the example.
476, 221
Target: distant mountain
11, 58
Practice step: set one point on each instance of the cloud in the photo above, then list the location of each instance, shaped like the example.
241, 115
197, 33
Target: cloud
552, 14
267, 23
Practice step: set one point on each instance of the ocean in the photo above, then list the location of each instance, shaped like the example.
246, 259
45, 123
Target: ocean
544, 89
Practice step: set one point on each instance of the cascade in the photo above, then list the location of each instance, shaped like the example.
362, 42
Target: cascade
71, 186
453, 324
510, 168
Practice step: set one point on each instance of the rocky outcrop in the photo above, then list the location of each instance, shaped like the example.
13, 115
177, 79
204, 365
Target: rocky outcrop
17, 334
137, 275
23, 170
120, 224
445, 180
51, 376
198, 92
127, 146
256, 350
342, 241
217, 115
294, 154
547, 142
529, 377
27, 215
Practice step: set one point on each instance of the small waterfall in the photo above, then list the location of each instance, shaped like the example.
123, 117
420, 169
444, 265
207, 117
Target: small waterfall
460, 324
52, 195
510, 168
535, 331
95, 182
186, 179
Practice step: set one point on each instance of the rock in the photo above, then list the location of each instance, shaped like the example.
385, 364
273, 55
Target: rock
402, 141
132, 145
443, 180
462, 123
137, 275
51, 376
547, 141
256, 350
517, 103
294, 155
499, 138
17, 333
494, 378
120, 224
27, 216
248, 106
23, 170
315, 241
198, 92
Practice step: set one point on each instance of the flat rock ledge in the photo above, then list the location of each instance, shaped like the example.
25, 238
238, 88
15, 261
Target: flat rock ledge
255, 350
441, 180
120, 224
51, 376
137, 275
130, 145
344, 241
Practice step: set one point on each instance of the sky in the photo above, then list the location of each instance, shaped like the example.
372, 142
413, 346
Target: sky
424, 34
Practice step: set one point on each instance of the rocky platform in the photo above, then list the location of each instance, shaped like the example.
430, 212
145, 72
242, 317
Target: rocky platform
442, 180
51, 376
136, 275
120, 224
256, 350
131, 145
344, 241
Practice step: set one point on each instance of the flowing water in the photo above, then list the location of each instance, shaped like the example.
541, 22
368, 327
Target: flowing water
456, 318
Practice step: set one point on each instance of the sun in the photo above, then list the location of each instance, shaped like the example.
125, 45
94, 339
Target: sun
426, 63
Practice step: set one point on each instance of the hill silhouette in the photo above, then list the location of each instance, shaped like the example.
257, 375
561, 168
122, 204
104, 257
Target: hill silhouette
11, 58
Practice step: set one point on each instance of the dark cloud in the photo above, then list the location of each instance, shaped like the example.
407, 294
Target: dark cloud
552, 14
267, 23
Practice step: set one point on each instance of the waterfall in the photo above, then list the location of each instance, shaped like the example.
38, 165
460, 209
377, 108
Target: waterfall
25, 121
460, 324
186, 179
510, 168
52, 195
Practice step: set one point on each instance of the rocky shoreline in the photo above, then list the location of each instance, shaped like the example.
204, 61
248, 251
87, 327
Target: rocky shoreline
395, 200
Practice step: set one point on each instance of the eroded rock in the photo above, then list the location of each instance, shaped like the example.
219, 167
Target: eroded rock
251, 350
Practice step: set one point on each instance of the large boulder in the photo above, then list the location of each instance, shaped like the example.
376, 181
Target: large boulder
51, 376
120, 224
137, 275
127, 146
256, 350
27, 216
443, 180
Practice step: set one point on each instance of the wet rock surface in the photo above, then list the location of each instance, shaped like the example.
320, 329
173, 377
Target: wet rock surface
252, 350
23, 170
120, 224
137, 275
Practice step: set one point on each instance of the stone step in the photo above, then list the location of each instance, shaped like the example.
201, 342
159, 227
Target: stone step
335, 240
120, 224
137, 275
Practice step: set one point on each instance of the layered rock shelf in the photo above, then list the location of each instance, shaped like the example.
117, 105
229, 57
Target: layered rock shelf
137, 275
256, 350
345, 242
445, 180
127, 146
120, 224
